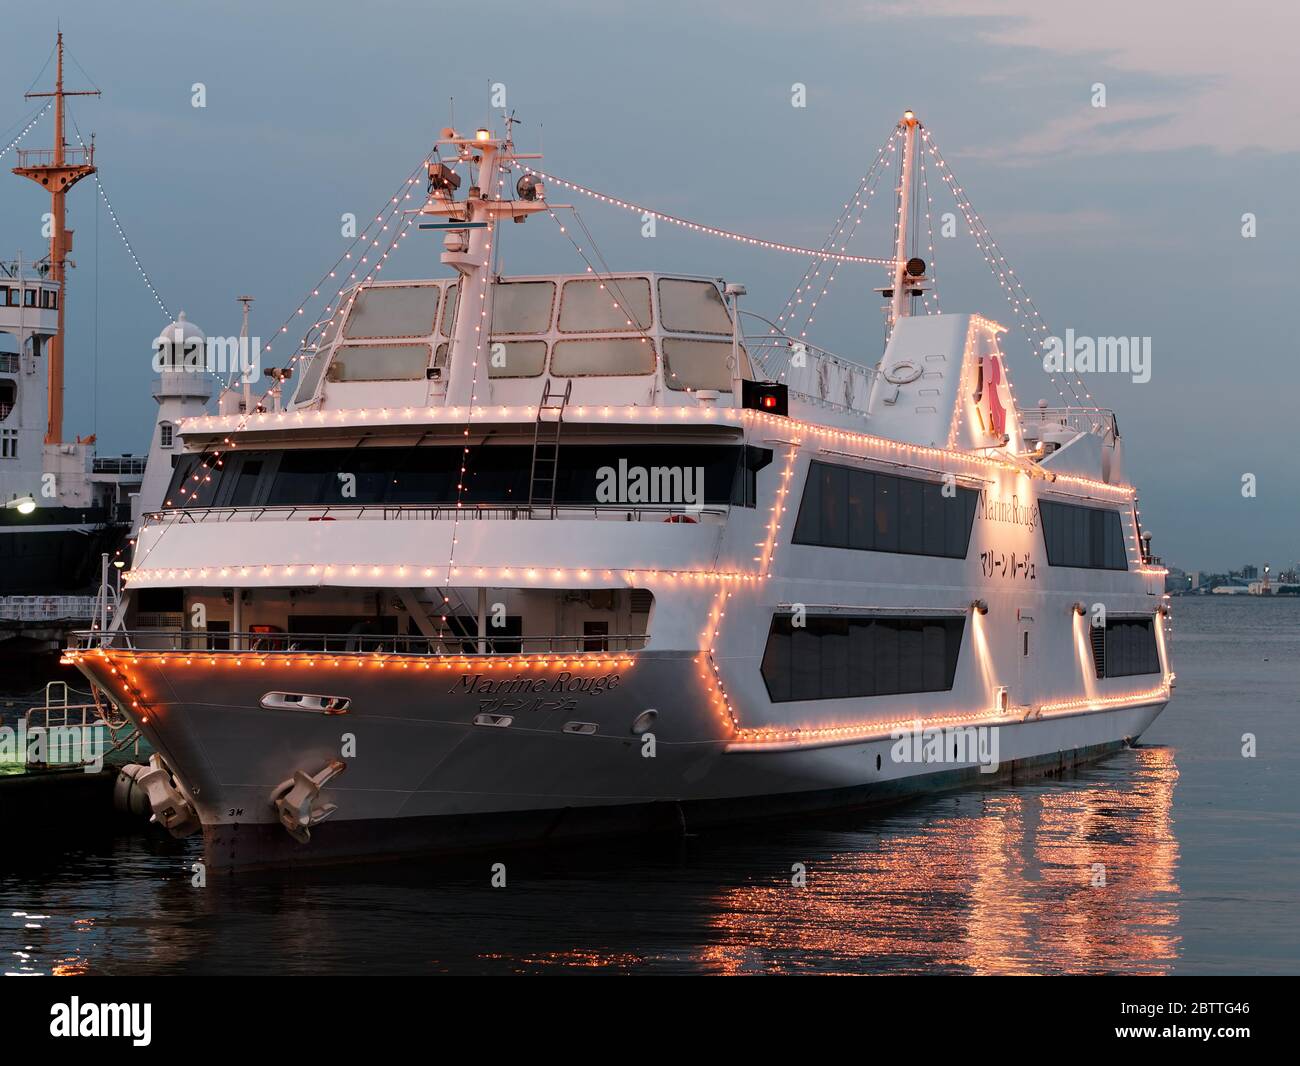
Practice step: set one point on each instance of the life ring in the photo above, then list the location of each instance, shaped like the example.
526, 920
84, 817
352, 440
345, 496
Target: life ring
681, 518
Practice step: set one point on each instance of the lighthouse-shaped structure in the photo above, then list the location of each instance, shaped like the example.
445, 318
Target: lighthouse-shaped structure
182, 389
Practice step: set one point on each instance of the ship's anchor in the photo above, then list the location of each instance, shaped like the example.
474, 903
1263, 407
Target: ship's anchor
295, 800
170, 809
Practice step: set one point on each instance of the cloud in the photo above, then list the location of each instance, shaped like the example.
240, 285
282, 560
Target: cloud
1216, 76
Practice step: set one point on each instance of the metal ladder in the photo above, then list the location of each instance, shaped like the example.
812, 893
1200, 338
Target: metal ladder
546, 448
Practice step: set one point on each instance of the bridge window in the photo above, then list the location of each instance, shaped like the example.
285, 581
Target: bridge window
1091, 538
379, 362
393, 311
449, 311
522, 306
865, 510
701, 364
166, 434
609, 356
837, 657
692, 307
515, 359
613, 306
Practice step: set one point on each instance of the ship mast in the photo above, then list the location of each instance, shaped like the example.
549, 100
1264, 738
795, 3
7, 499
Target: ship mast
57, 170
900, 302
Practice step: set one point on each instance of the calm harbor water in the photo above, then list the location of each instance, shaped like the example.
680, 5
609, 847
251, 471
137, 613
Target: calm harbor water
1200, 846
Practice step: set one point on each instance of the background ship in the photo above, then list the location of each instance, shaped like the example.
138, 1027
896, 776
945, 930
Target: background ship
67, 509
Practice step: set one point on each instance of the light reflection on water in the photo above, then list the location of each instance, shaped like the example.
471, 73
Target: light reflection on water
1198, 848
984, 882
1004, 888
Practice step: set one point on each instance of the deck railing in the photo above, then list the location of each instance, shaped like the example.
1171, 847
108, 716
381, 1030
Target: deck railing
48, 608
448, 645
424, 513
44, 157
119, 464
810, 372
1099, 421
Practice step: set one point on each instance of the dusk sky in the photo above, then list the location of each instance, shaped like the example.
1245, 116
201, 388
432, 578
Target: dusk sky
1122, 220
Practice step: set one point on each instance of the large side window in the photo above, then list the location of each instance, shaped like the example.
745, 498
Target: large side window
1124, 647
1088, 537
865, 510
669, 476
835, 657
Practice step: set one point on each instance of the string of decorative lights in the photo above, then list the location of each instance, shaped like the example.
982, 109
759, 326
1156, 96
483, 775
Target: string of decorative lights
1013, 289
870, 730
712, 231
25, 130
212, 457
884, 445
481, 328
392, 205
929, 234
811, 309
608, 283
117, 225
869, 179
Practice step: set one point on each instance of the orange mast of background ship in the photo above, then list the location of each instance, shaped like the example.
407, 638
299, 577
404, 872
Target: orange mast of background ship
57, 170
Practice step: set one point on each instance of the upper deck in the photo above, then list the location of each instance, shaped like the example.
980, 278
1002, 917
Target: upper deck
627, 339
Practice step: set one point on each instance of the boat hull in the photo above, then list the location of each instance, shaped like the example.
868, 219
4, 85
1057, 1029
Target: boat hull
447, 757
231, 847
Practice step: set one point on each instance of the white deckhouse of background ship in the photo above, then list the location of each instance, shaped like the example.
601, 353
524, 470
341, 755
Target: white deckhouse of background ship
383, 608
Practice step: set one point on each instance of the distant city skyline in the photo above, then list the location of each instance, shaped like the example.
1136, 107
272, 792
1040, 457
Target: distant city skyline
1141, 183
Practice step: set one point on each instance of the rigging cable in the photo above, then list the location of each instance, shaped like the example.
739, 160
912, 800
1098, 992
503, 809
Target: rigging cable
872, 177
814, 268
26, 129
117, 224
1031, 321
712, 231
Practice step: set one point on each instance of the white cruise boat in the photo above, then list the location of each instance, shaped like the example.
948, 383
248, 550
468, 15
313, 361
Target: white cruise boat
520, 559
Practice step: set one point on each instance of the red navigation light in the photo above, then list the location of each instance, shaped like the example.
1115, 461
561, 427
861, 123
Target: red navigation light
770, 396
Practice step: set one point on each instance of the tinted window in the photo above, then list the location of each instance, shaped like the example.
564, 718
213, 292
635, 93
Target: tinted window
843, 656
249, 473
1124, 647
1087, 537
302, 474
712, 475
847, 508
